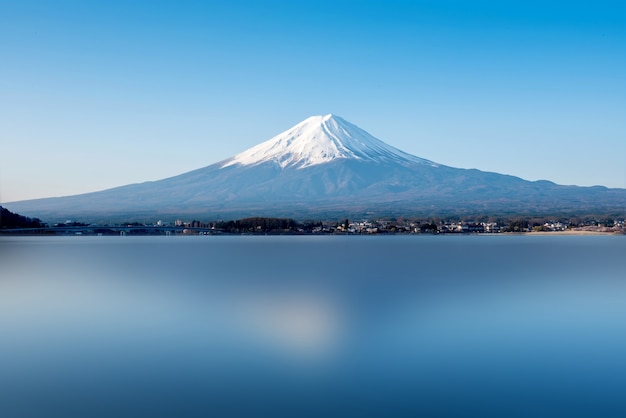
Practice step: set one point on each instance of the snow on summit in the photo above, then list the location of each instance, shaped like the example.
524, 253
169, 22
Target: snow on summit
318, 140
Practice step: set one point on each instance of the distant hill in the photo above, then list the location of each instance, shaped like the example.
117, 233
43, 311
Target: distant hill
10, 220
326, 166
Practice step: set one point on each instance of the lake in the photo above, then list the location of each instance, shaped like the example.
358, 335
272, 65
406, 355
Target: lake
504, 326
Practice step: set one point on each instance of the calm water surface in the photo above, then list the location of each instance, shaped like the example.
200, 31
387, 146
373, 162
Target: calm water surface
313, 326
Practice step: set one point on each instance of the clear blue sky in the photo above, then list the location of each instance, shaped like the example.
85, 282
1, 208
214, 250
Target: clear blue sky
100, 94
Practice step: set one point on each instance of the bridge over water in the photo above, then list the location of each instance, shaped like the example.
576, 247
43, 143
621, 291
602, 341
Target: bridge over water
111, 230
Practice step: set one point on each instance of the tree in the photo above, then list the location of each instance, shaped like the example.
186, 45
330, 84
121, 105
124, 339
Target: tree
9, 219
429, 227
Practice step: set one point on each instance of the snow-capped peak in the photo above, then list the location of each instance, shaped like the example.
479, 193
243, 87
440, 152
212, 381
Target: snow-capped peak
318, 140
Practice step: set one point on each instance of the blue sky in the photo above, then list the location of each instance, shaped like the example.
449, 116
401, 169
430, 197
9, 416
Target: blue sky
100, 94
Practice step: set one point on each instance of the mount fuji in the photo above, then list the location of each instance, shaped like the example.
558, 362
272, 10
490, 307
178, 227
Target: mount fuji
327, 166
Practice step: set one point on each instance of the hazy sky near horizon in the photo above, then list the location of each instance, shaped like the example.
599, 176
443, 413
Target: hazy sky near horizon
101, 94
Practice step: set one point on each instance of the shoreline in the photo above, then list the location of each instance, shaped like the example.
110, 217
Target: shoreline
574, 232
23, 233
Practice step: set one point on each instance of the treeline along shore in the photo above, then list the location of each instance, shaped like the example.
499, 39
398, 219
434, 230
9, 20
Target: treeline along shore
14, 224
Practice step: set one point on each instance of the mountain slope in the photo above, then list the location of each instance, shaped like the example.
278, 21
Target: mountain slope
326, 165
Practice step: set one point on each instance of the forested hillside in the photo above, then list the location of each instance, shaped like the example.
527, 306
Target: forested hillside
9, 220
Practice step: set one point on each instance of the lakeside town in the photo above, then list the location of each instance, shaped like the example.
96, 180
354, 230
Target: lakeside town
17, 225
388, 226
